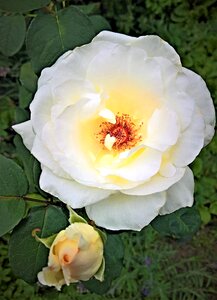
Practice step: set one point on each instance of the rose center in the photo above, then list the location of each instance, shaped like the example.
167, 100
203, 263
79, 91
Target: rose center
122, 135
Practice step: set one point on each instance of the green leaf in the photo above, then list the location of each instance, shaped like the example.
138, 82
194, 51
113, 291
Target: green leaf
49, 36
7, 111
114, 253
12, 32
181, 224
99, 23
25, 97
28, 256
12, 178
213, 208
205, 214
30, 164
22, 5
12, 211
13, 184
89, 9
28, 78
21, 115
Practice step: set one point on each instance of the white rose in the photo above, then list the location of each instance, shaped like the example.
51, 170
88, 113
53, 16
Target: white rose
115, 123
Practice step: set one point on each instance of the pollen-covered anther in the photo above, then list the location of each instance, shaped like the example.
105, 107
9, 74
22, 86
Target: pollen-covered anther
122, 135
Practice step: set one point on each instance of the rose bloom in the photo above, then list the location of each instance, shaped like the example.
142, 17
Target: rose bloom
115, 123
75, 254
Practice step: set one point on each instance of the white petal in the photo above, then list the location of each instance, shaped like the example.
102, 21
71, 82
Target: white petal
26, 131
108, 115
181, 103
50, 278
145, 73
162, 130
69, 191
156, 184
198, 90
111, 66
190, 142
114, 37
142, 167
68, 93
42, 153
154, 46
180, 194
109, 141
121, 211
73, 155
48, 73
62, 70
40, 108
167, 169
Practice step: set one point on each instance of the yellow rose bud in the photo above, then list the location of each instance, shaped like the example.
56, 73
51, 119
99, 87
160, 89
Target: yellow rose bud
75, 254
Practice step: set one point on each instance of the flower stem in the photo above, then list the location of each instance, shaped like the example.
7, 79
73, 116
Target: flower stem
26, 198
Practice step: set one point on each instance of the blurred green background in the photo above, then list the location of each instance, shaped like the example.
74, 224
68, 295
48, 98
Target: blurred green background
154, 267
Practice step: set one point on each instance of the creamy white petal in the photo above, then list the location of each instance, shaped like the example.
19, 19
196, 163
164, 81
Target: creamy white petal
162, 130
47, 74
26, 131
111, 66
146, 73
157, 47
121, 211
40, 108
67, 93
180, 194
142, 167
198, 90
190, 142
153, 45
69, 191
156, 184
167, 169
50, 278
42, 153
181, 103
73, 153
114, 37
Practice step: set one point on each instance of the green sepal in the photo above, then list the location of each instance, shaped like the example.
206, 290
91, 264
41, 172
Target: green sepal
47, 242
74, 217
102, 234
100, 273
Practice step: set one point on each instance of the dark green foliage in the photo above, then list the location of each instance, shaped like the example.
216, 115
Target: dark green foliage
7, 110
99, 23
22, 5
12, 32
30, 164
181, 224
12, 178
13, 186
28, 78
